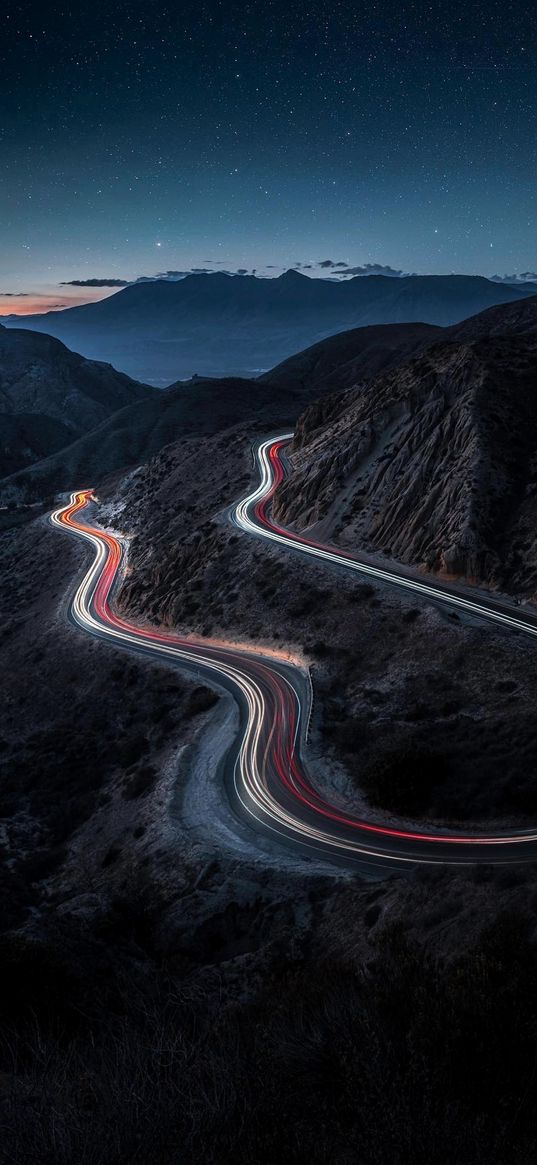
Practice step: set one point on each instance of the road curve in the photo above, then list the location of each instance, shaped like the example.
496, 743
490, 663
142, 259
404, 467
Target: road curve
265, 773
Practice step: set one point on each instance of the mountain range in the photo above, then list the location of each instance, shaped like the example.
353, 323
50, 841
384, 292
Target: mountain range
73, 421
224, 325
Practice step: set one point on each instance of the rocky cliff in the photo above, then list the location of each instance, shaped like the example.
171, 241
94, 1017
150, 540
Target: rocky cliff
434, 463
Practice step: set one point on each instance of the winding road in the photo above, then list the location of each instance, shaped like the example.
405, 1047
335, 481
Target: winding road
265, 772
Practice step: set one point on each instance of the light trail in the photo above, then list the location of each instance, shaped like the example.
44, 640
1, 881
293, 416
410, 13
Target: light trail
265, 773
252, 515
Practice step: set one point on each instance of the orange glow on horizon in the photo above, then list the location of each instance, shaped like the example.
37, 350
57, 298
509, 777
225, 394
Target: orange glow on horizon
35, 304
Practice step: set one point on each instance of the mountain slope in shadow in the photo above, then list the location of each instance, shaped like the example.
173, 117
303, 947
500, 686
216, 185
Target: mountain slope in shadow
223, 325
50, 396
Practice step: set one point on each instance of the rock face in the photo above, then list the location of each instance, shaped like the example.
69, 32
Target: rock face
433, 463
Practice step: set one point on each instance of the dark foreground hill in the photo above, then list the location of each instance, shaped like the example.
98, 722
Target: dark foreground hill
29, 437
222, 325
49, 396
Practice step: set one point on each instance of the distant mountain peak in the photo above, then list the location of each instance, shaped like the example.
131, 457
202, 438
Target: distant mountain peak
291, 275
202, 276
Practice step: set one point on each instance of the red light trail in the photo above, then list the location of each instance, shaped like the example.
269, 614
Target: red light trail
268, 779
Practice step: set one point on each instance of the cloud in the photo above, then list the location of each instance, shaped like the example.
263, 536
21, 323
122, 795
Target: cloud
330, 263
170, 276
175, 276
94, 283
375, 269
15, 294
165, 275
523, 277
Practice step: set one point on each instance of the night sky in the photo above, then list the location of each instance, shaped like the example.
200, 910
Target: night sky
140, 138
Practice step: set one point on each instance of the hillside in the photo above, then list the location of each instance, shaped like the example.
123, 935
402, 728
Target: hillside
207, 406
434, 463
204, 406
341, 360
28, 437
139, 952
391, 673
504, 319
50, 396
137, 432
226, 325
